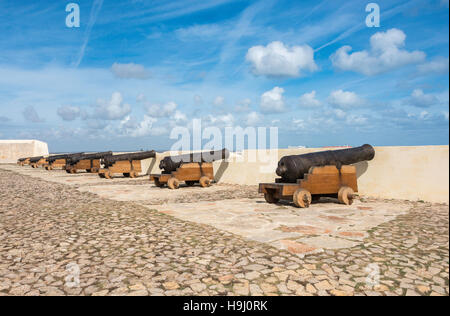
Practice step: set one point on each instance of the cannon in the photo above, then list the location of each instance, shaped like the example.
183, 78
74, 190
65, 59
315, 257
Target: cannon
37, 161
89, 162
307, 177
292, 168
172, 163
127, 164
59, 161
23, 161
191, 168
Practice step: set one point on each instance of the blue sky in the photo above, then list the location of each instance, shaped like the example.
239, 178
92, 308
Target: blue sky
134, 70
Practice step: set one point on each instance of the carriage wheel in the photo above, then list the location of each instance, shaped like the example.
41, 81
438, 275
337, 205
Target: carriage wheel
88, 170
270, 198
346, 195
173, 183
73, 170
302, 198
205, 182
126, 174
101, 175
190, 183
158, 183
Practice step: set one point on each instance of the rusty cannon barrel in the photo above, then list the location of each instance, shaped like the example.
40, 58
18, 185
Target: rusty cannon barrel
75, 159
292, 168
110, 160
53, 158
172, 163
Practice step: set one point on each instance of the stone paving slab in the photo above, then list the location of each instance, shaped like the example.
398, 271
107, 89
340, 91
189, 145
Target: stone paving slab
324, 225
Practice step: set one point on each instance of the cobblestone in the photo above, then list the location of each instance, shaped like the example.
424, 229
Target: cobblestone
51, 234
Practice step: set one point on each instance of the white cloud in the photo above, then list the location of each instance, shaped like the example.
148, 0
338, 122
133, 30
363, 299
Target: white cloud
344, 99
69, 113
130, 71
144, 127
161, 110
438, 65
339, 113
114, 109
278, 60
253, 118
219, 101
220, 120
30, 114
386, 53
129, 126
309, 100
272, 101
179, 117
129, 122
420, 99
298, 123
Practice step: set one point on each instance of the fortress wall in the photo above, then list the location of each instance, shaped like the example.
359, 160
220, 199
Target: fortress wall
11, 150
410, 173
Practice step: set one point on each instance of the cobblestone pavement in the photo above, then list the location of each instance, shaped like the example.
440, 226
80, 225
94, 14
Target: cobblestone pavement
49, 230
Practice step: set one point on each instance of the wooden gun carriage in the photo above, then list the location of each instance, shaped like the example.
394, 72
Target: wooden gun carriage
59, 161
326, 181
191, 168
190, 173
89, 165
23, 161
127, 164
89, 162
36, 162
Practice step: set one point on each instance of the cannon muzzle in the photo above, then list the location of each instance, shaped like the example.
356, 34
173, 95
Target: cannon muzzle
292, 168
